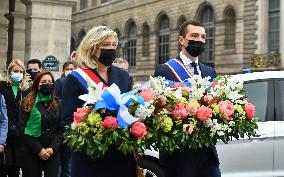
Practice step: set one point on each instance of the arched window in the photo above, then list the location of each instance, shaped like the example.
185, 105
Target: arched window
274, 26
118, 49
81, 35
83, 4
180, 21
130, 52
230, 28
164, 39
72, 45
145, 40
207, 18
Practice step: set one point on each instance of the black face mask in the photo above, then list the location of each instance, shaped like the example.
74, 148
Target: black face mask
46, 89
107, 56
32, 74
195, 48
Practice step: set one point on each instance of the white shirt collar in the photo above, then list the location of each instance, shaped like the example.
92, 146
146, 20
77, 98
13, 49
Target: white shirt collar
186, 61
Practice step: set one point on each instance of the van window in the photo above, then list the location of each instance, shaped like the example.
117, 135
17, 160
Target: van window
279, 100
257, 93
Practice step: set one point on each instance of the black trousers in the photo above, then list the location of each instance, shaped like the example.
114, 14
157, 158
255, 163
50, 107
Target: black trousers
190, 163
33, 166
9, 170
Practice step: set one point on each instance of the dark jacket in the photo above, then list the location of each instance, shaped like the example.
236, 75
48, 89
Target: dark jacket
3, 126
176, 160
12, 105
114, 163
51, 133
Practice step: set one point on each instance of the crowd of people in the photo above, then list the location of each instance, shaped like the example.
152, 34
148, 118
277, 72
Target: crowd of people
35, 109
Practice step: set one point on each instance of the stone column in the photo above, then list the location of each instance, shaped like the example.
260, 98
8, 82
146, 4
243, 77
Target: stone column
19, 31
3, 33
48, 29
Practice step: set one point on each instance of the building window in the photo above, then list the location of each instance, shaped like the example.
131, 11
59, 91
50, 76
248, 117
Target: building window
94, 2
81, 35
164, 40
83, 4
180, 21
105, 1
72, 45
207, 18
274, 26
130, 48
145, 40
230, 28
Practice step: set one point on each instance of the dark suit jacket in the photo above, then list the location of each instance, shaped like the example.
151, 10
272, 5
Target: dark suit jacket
163, 70
185, 156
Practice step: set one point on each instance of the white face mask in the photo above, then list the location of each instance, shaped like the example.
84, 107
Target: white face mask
17, 77
67, 72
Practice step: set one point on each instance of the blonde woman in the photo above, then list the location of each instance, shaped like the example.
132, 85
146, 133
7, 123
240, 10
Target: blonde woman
13, 88
95, 56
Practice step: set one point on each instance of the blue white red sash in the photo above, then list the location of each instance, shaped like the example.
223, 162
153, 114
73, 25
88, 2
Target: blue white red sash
86, 77
179, 69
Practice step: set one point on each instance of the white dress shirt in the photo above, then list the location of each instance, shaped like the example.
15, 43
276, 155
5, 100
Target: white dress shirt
187, 62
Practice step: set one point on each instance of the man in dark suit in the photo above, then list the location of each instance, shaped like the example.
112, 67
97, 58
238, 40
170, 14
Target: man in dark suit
188, 162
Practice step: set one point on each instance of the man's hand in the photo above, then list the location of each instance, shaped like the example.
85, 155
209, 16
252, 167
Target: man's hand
1, 148
44, 154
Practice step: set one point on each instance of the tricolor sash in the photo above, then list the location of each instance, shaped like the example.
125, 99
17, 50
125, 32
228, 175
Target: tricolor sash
179, 70
86, 76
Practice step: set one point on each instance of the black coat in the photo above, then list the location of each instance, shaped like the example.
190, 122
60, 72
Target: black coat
114, 163
13, 105
51, 133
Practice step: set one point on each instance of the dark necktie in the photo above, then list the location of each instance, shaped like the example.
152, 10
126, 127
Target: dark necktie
194, 65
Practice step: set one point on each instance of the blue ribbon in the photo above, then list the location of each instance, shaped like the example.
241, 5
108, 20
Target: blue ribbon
113, 100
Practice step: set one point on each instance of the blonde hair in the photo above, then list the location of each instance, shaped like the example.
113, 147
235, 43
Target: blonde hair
24, 83
87, 47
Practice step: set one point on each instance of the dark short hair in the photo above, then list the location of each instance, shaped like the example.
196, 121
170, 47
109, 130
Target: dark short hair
183, 27
34, 61
67, 63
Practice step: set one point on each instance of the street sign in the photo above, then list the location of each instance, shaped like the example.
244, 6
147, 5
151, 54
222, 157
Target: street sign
50, 63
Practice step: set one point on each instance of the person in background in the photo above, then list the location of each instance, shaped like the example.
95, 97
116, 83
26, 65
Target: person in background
65, 152
39, 129
33, 68
68, 67
95, 56
121, 63
14, 88
188, 162
3, 128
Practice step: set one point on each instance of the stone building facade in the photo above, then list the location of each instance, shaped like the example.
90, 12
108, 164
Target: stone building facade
237, 31
240, 33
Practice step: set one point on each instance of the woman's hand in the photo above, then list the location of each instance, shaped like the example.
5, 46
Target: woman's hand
44, 154
1, 148
49, 151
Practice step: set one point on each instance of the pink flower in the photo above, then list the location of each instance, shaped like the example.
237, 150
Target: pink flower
203, 113
110, 122
226, 109
191, 108
213, 84
138, 129
162, 99
80, 114
250, 110
187, 128
176, 85
148, 94
179, 111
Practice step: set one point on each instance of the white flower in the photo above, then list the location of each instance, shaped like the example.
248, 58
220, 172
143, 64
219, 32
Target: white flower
94, 93
234, 95
144, 111
221, 133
